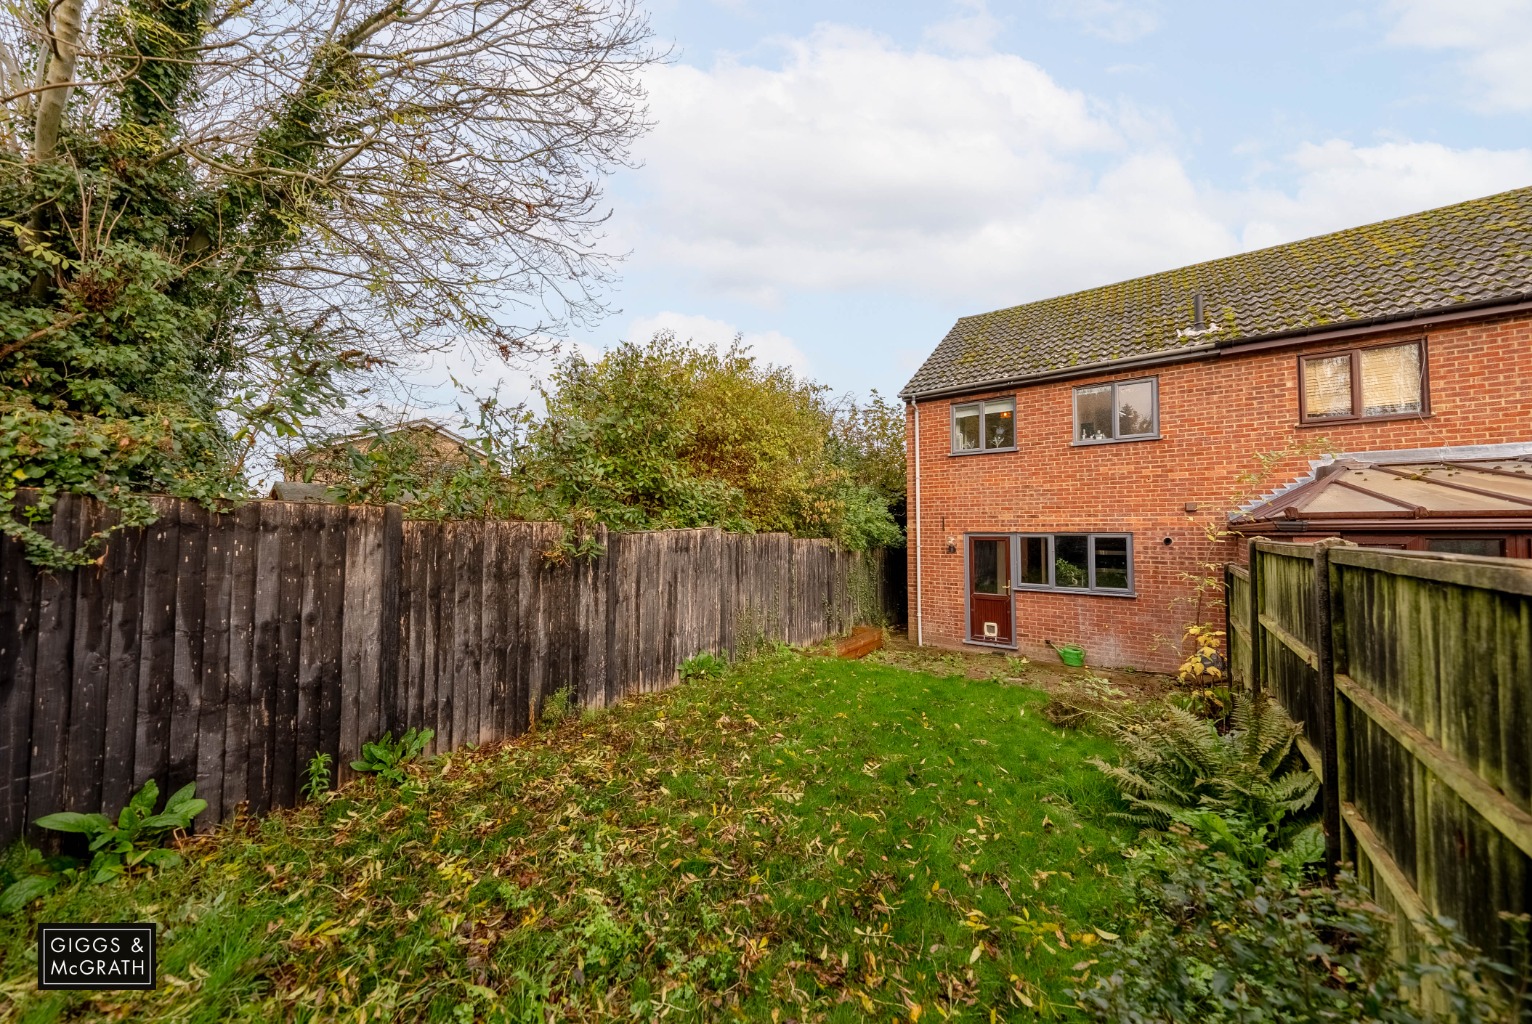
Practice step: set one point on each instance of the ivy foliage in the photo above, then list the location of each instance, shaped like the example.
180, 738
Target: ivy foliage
215, 219
128, 297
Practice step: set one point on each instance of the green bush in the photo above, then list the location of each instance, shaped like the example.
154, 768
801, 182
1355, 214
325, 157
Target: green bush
1217, 940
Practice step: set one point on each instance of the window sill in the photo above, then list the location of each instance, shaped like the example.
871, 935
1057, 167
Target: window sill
1022, 589
980, 451
1115, 440
1348, 421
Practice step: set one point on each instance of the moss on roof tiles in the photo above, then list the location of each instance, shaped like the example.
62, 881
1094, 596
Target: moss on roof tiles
1470, 252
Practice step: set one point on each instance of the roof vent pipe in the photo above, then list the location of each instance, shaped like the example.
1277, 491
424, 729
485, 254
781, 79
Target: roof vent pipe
1198, 323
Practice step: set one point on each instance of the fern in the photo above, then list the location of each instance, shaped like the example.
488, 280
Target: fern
1179, 763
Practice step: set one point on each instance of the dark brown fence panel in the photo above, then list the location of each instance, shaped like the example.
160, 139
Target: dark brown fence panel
1414, 674
1237, 605
230, 649
1434, 677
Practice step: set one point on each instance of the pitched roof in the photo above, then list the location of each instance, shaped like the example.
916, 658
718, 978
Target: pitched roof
1354, 489
1469, 253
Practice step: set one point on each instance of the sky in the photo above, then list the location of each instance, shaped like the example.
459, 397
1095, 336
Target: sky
841, 180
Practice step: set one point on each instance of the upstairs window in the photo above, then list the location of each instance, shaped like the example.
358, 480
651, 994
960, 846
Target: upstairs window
984, 426
1128, 410
1363, 383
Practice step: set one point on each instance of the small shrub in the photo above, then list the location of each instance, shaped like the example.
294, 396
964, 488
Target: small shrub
703, 666
1204, 677
557, 706
318, 783
387, 757
1216, 940
1180, 763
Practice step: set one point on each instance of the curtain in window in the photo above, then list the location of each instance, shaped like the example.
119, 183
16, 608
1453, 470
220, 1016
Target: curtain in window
1327, 386
1390, 380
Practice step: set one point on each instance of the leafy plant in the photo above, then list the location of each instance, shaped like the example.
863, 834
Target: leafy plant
1203, 676
703, 666
1068, 574
136, 837
1182, 763
25, 875
318, 783
557, 706
1218, 939
387, 757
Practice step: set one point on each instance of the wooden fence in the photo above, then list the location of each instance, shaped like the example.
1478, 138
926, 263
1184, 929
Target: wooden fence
229, 649
1413, 675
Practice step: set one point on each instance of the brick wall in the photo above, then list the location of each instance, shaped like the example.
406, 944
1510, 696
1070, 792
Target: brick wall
1216, 416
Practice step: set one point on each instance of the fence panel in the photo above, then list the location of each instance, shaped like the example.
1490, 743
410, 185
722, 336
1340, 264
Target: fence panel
230, 649
1418, 669
1434, 680
1237, 632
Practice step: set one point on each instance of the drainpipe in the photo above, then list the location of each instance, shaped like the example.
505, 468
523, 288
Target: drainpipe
920, 619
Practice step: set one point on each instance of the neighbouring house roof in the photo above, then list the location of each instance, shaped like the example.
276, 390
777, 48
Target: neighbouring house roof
1465, 255
291, 490
1354, 491
314, 462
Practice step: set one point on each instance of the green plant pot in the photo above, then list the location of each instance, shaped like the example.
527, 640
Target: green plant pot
1071, 655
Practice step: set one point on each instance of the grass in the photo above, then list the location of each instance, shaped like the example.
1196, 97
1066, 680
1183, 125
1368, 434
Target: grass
799, 839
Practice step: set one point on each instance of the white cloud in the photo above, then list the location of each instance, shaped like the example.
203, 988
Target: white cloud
772, 347
974, 179
1340, 185
1493, 36
1117, 21
971, 31
860, 164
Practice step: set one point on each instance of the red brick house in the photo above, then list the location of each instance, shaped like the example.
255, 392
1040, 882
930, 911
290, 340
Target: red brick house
1076, 464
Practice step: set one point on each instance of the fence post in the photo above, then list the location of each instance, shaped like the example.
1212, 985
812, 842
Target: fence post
1228, 619
389, 627
1257, 669
1324, 650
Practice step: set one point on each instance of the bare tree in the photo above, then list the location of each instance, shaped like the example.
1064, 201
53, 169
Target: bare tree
388, 174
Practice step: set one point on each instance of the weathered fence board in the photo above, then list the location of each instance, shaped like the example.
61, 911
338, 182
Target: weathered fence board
229, 649
1413, 675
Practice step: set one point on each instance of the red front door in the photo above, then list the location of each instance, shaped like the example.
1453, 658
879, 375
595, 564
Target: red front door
989, 589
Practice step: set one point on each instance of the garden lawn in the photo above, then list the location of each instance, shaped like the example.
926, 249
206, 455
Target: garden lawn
801, 839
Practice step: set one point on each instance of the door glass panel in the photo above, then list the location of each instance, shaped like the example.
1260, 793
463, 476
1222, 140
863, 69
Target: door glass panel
1492, 546
987, 570
1135, 409
965, 429
1111, 563
1093, 414
1071, 563
1327, 386
999, 424
1034, 561
1391, 380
